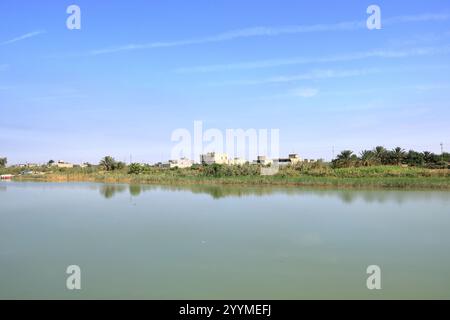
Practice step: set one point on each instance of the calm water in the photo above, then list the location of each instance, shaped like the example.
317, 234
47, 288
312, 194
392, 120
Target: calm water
221, 242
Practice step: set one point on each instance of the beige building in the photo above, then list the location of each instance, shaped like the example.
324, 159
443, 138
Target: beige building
62, 164
292, 159
31, 165
238, 162
214, 158
180, 163
263, 160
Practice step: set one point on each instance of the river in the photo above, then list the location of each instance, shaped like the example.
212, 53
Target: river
221, 242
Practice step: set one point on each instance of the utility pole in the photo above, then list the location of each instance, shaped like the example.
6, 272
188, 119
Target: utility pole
332, 150
442, 152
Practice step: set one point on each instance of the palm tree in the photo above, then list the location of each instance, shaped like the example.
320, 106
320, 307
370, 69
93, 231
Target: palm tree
345, 158
108, 163
3, 162
428, 156
399, 155
380, 154
367, 157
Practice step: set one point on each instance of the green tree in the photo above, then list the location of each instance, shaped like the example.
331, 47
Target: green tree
398, 155
119, 165
345, 159
135, 168
215, 170
108, 163
3, 162
446, 157
367, 158
431, 158
380, 154
414, 158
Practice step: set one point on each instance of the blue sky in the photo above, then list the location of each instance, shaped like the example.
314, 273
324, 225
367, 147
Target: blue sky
138, 70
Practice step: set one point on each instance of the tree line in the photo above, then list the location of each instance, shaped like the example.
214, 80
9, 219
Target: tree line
397, 156
346, 159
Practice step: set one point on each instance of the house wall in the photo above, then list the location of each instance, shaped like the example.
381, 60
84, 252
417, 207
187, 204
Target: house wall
212, 158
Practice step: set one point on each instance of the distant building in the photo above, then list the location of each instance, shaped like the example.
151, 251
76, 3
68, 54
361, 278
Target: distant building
62, 164
180, 163
32, 165
238, 161
214, 158
83, 165
292, 159
263, 160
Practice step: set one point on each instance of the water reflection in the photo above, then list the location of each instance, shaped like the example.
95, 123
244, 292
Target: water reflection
109, 190
220, 191
135, 189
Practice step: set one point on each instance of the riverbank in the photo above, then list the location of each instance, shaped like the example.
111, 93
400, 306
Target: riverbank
364, 177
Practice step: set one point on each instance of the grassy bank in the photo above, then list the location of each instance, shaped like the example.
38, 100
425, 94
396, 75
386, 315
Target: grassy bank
324, 176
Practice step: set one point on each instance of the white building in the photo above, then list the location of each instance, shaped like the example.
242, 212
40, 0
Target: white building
238, 161
292, 159
180, 163
214, 158
263, 160
62, 164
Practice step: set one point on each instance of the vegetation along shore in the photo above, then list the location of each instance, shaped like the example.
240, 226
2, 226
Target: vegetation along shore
378, 168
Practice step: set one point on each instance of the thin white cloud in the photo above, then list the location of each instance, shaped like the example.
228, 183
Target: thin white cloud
379, 90
305, 92
61, 97
432, 86
313, 75
22, 37
426, 17
312, 92
236, 34
302, 92
316, 75
261, 64
270, 32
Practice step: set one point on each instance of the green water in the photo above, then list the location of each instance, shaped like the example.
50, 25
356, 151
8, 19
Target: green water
221, 242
